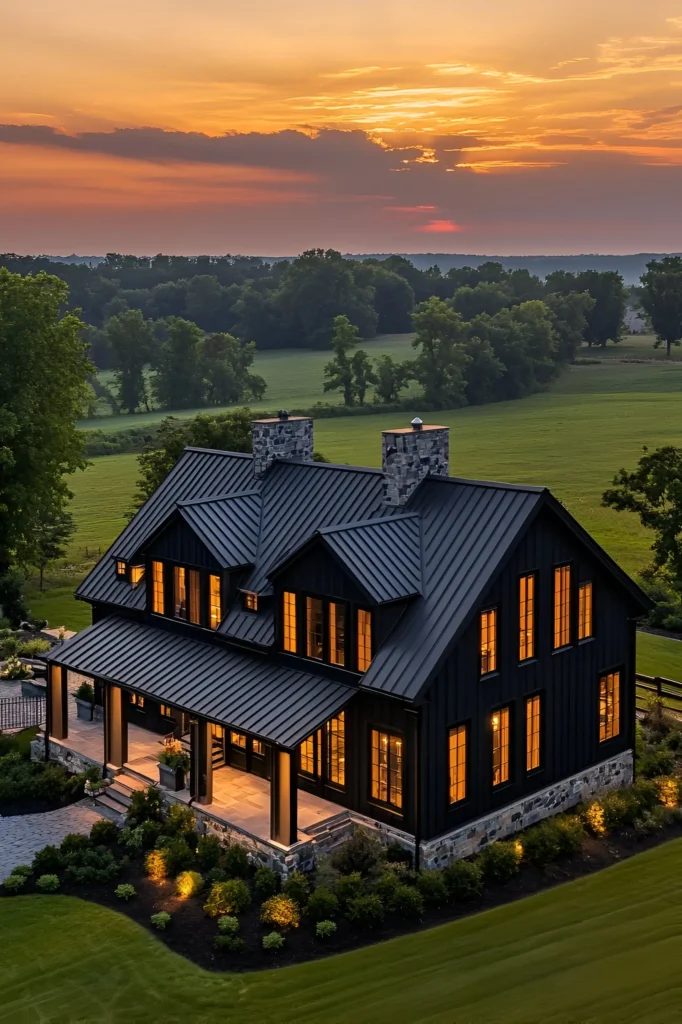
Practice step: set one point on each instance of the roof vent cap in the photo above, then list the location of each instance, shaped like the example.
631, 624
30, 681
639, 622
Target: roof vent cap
283, 414
416, 423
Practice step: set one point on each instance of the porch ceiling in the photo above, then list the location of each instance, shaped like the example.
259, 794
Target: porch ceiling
247, 692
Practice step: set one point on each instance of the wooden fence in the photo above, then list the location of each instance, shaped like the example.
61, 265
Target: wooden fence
669, 689
22, 712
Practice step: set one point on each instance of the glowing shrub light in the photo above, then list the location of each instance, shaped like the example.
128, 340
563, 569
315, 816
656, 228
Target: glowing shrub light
668, 792
594, 819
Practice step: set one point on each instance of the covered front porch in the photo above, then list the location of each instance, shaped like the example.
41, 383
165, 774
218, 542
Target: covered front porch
272, 810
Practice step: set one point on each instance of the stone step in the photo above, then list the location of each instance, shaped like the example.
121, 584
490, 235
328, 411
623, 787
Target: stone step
120, 795
129, 783
110, 808
132, 773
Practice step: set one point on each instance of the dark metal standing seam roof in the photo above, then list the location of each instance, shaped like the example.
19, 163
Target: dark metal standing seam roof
243, 691
383, 555
229, 527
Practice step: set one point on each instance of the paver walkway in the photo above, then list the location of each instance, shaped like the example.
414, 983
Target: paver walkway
23, 835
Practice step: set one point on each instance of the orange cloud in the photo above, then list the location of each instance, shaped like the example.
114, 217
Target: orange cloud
440, 227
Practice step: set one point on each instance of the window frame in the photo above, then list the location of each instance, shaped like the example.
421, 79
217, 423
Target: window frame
466, 726
617, 671
121, 568
249, 601
292, 613
210, 602
496, 786
158, 586
308, 600
590, 635
495, 609
571, 616
398, 810
324, 756
140, 569
538, 695
528, 574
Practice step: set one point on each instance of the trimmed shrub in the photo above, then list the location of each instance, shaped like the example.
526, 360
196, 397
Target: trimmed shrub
215, 875
74, 843
142, 837
407, 901
394, 853
541, 844
386, 886
236, 861
228, 925
125, 891
668, 791
155, 866
176, 854
593, 816
322, 904
281, 911
570, 834
657, 762
297, 887
181, 821
650, 821
231, 897
229, 943
325, 929
500, 861
161, 920
645, 792
432, 887
47, 883
14, 883
91, 865
349, 887
273, 941
189, 883
362, 853
145, 805
265, 883
209, 852
23, 869
366, 912
464, 881
103, 832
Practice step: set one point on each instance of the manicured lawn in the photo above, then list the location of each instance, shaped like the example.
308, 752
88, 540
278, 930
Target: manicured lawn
659, 656
607, 948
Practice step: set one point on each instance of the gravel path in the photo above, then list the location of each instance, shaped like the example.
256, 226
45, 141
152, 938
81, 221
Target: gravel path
23, 835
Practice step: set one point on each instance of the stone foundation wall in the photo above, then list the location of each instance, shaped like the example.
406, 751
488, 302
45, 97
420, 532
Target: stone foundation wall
71, 759
474, 836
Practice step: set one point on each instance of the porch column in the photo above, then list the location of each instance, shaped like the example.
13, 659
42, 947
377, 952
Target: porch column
201, 761
283, 798
115, 725
56, 708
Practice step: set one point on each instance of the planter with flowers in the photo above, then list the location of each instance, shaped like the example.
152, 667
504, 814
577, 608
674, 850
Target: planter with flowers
173, 765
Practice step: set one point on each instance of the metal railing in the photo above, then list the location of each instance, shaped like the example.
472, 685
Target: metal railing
669, 689
22, 712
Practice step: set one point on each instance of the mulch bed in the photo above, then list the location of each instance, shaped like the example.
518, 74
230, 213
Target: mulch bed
31, 806
191, 931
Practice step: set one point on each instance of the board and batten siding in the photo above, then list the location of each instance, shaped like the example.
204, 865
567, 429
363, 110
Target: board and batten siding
568, 681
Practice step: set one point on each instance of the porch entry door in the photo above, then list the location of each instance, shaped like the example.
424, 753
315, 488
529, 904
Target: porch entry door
217, 746
237, 746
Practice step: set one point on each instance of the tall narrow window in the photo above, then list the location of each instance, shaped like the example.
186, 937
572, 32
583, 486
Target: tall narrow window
136, 574
609, 706
313, 627
158, 603
258, 748
289, 622
195, 597
214, 602
500, 724
307, 752
364, 639
532, 733
457, 758
584, 611
387, 768
179, 592
489, 641
527, 617
337, 633
562, 606
336, 750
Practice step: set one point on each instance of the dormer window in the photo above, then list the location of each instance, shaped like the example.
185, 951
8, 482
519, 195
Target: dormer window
214, 602
313, 627
179, 592
158, 599
335, 632
136, 574
121, 568
250, 601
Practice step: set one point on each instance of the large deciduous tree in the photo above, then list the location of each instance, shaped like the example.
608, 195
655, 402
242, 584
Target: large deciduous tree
178, 381
339, 371
226, 363
605, 319
43, 385
441, 362
130, 339
661, 299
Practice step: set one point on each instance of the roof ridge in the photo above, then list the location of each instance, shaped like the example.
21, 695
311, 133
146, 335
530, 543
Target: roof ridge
499, 484
229, 496
218, 451
356, 523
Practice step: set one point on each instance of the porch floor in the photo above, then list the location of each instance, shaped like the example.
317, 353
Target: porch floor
239, 798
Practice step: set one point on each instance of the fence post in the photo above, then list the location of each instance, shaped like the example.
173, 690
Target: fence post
659, 687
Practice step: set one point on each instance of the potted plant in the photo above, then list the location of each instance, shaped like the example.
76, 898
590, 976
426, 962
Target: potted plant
173, 765
85, 700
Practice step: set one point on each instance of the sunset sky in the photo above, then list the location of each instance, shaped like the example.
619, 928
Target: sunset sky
504, 126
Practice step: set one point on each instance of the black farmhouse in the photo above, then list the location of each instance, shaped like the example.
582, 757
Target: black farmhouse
443, 660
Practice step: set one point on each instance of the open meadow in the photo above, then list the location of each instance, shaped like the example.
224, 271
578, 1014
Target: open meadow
573, 438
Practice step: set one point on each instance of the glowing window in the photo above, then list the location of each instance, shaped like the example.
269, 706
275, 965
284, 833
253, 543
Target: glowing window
337, 633
121, 567
387, 768
194, 597
158, 602
214, 601
313, 627
136, 574
609, 706
336, 750
500, 724
137, 700
258, 748
584, 611
488, 641
364, 639
165, 710
251, 601
179, 592
562, 606
289, 621
307, 751
532, 733
238, 739
457, 758
526, 617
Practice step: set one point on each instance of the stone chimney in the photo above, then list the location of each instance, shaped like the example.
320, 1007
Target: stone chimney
410, 454
284, 437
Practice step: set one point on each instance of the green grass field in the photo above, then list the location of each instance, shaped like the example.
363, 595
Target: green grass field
604, 949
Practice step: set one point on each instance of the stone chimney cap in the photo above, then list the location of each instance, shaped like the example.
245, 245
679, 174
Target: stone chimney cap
416, 423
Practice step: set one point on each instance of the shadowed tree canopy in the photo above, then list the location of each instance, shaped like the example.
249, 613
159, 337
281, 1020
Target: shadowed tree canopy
441, 361
661, 298
130, 339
